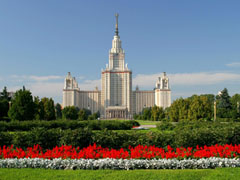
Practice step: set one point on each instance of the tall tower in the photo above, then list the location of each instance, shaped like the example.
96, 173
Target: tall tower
116, 82
163, 92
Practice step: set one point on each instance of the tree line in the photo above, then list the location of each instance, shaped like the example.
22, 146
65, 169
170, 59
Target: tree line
23, 106
196, 107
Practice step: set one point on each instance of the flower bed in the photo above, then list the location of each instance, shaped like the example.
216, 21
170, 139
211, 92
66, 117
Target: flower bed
139, 157
138, 152
126, 164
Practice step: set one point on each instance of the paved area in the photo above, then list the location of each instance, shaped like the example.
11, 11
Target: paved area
148, 126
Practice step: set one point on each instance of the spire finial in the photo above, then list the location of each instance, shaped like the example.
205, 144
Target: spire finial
116, 32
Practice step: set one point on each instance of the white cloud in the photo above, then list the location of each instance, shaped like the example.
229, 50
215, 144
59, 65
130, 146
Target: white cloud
46, 89
81, 77
45, 78
234, 64
201, 78
35, 78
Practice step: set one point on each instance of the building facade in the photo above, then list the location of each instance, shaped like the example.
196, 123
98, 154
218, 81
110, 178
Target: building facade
116, 98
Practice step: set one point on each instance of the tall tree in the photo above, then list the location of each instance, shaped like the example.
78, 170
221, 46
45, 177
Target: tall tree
146, 115
224, 105
4, 103
58, 110
235, 101
49, 109
200, 107
4, 107
39, 109
23, 107
179, 109
4, 94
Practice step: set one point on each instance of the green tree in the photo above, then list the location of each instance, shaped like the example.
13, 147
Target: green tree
83, 114
224, 105
94, 116
157, 113
161, 114
49, 109
23, 107
4, 103
4, 107
4, 94
146, 114
235, 101
179, 110
70, 112
58, 110
39, 109
200, 107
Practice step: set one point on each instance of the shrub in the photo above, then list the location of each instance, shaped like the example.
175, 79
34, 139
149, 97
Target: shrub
165, 126
67, 124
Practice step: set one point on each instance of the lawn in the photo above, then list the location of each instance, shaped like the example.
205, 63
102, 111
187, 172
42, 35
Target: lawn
142, 122
207, 174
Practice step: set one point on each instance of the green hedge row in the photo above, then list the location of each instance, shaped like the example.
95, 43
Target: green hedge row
186, 137
68, 124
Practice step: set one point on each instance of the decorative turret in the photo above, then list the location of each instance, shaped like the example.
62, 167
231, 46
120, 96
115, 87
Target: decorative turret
70, 82
163, 82
163, 92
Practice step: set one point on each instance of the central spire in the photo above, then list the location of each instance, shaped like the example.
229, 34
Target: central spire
116, 32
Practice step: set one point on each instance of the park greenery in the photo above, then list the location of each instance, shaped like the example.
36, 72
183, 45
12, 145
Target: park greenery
23, 106
196, 108
183, 134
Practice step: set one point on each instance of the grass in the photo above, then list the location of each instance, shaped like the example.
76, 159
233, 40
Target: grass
207, 174
142, 122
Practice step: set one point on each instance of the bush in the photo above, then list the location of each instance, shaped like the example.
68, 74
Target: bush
68, 124
185, 135
165, 126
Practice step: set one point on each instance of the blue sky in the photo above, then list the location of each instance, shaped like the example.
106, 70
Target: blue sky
196, 42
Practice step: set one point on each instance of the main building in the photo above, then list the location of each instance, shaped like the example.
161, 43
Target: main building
116, 98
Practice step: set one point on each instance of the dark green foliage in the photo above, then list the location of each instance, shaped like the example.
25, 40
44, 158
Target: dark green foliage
224, 105
4, 94
157, 113
79, 137
67, 124
4, 103
147, 113
235, 101
23, 107
94, 116
184, 134
6, 139
39, 109
70, 112
58, 110
83, 114
4, 106
165, 126
49, 109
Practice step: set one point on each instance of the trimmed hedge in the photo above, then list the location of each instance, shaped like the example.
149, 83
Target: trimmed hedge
186, 137
68, 124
